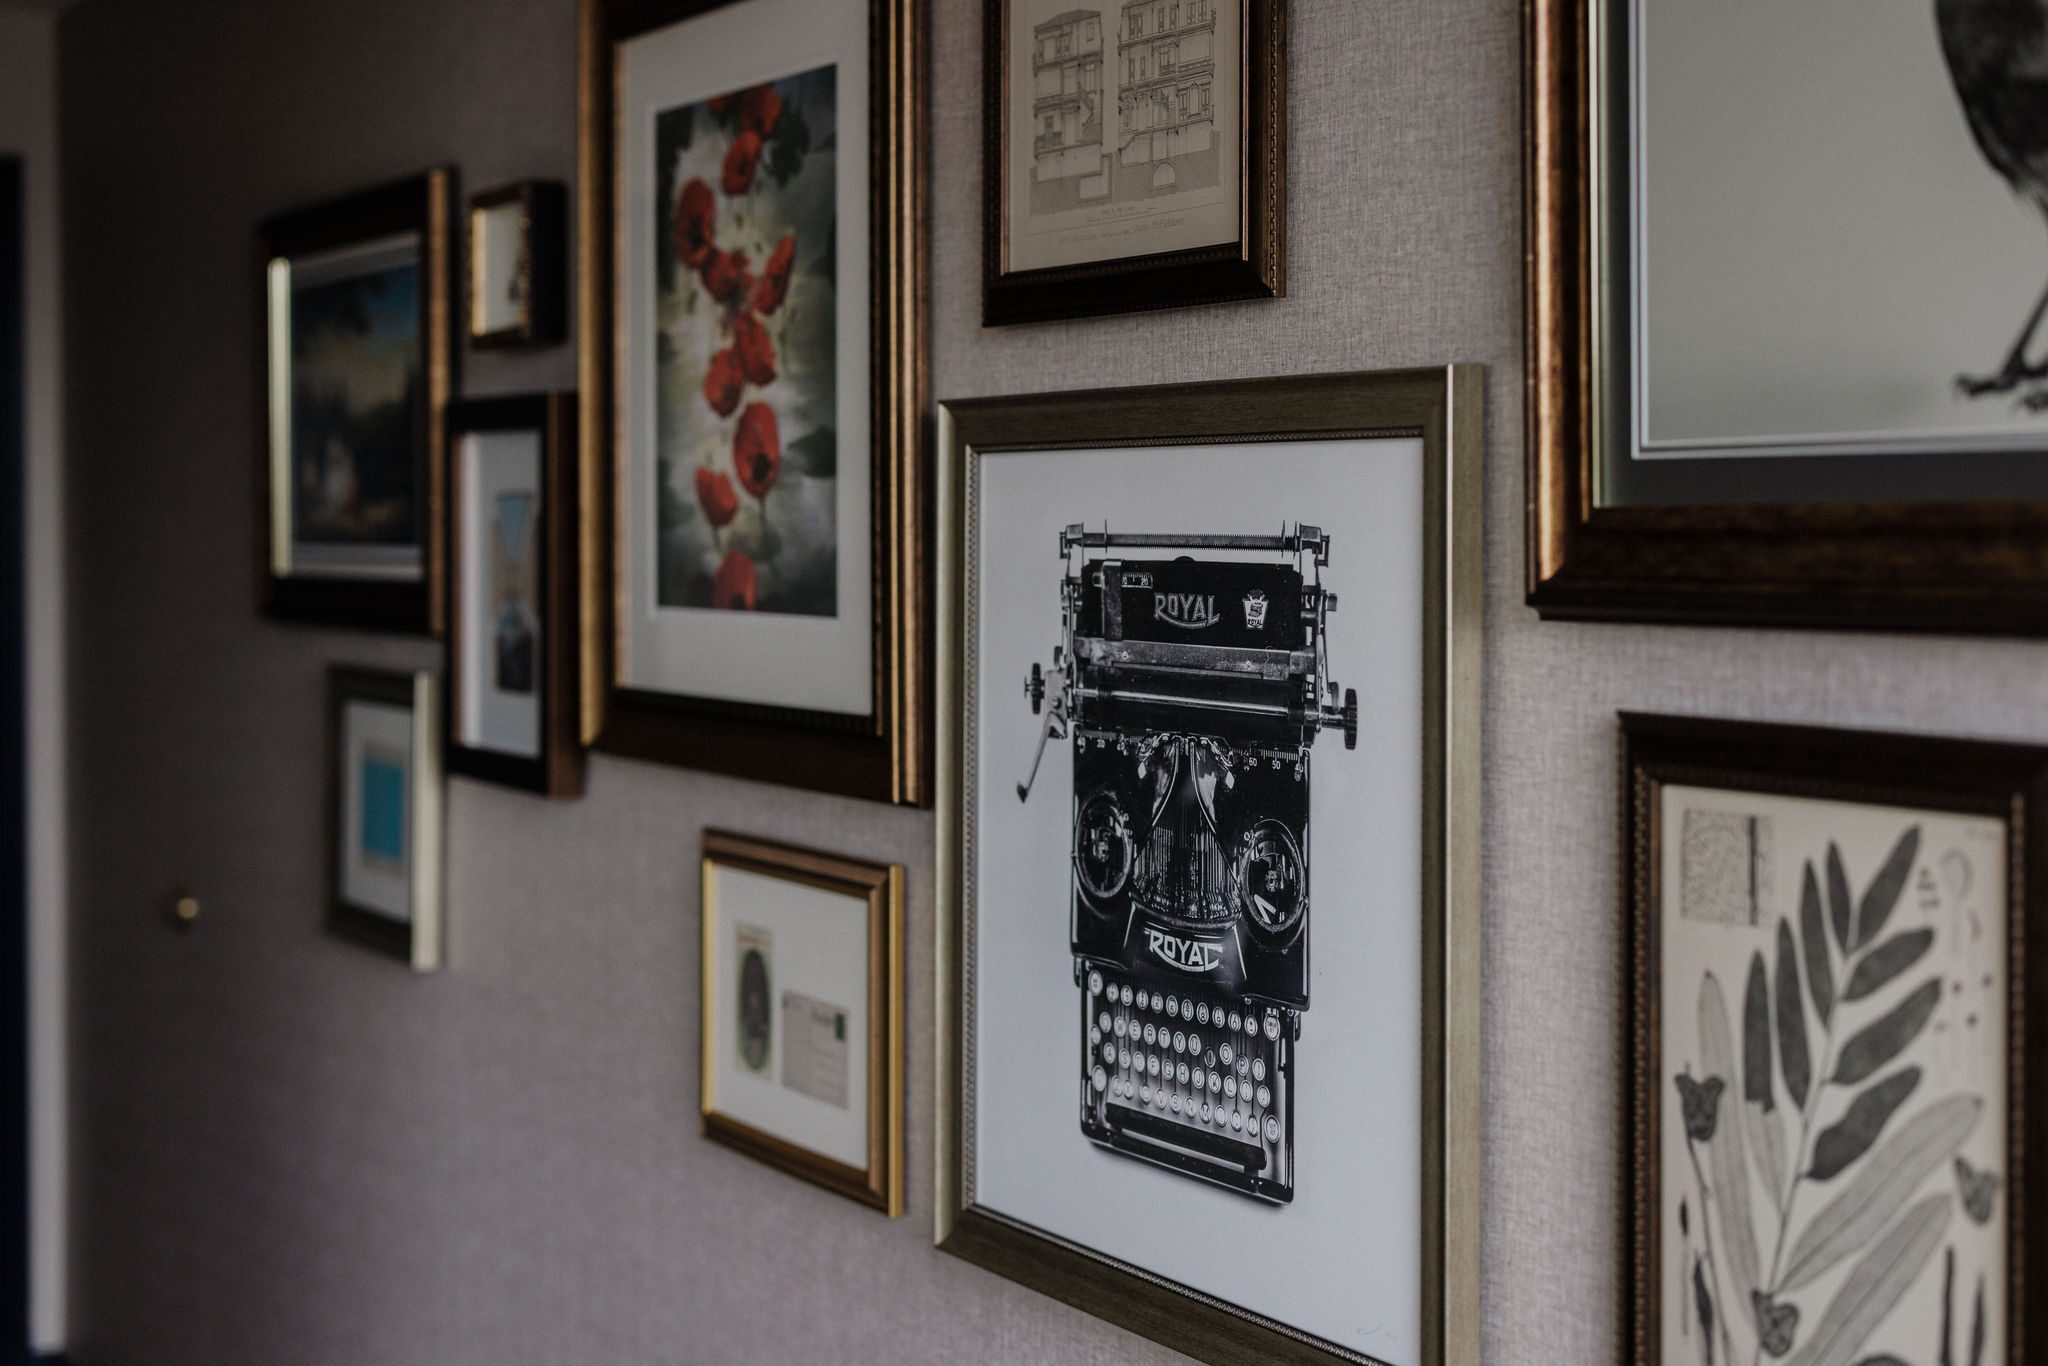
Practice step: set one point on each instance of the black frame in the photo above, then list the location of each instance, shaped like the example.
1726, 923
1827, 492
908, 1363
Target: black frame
558, 770
417, 204
344, 919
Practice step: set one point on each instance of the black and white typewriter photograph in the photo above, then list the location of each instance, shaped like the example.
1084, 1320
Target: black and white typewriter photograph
1196, 757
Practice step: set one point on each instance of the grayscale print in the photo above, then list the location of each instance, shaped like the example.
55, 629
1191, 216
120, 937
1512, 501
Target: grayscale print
1833, 1083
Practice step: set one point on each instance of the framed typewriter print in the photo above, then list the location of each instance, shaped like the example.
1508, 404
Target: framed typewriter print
517, 255
1169, 762
1784, 362
803, 1013
358, 364
1136, 155
513, 608
384, 812
754, 348
1835, 1045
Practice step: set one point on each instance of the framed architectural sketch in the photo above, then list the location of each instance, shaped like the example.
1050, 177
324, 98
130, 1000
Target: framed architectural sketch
1136, 155
1171, 768
754, 349
1784, 359
1834, 1045
513, 609
517, 258
384, 812
358, 362
802, 1001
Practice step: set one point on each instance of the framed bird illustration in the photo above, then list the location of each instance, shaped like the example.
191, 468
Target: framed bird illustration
1788, 312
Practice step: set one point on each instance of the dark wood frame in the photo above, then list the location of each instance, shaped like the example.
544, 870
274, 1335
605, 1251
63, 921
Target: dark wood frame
1253, 267
2008, 782
543, 263
558, 770
1442, 407
417, 204
1932, 566
884, 756
418, 941
880, 885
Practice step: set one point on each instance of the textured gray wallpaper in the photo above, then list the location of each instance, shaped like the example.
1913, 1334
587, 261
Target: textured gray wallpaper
290, 1152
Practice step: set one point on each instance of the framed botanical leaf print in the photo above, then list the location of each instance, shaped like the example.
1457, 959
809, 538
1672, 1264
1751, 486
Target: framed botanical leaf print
754, 357
1838, 1077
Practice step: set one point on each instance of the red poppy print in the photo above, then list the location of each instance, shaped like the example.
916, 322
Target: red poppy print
775, 273
696, 223
726, 277
716, 495
756, 350
760, 111
740, 161
757, 449
734, 585
724, 384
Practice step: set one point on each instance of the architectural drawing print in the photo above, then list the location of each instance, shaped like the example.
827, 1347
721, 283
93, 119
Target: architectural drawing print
1166, 52
1069, 166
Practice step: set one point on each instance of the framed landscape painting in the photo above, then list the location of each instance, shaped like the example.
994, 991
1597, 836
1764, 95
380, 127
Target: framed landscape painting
1136, 155
753, 309
358, 366
1786, 355
1835, 1046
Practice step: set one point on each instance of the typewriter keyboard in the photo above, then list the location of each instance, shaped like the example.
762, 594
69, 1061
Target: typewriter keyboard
1193, 1080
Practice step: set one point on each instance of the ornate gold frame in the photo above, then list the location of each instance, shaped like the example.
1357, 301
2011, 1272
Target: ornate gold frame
1443, 408
884, 756
880, 885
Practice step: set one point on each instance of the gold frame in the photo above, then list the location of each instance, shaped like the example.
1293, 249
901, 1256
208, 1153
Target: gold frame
1444, 408
880, 885
885, 755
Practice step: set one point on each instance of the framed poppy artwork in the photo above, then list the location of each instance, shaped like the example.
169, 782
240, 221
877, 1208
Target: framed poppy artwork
384, 835
1136, 155
752, 310
1836, 1051
513, 607
358, 365
802, 1023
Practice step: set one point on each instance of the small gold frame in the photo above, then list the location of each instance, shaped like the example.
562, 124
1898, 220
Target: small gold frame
880, 886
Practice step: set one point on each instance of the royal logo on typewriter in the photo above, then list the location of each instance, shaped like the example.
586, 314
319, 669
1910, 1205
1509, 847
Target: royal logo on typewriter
1188, 918
1190, 611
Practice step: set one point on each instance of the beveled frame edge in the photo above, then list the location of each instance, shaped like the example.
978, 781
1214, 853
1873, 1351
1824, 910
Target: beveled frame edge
1918, 566
543, 221
419, 943
1445, 406
2001, 779
886, 756
558, 770
1253, 267
416, 608
880, 885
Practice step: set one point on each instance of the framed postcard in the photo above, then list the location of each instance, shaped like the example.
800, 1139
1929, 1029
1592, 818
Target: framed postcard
513, 608
1136, 155
384, 812
1784, 362
803, 1014
358, 364
1171, 768
517, 255
1835, 1045
754, 349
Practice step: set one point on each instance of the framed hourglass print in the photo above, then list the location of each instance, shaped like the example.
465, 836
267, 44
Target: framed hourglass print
512, 680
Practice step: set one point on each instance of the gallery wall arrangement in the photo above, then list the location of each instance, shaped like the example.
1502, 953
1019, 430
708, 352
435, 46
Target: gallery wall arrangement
1183, 677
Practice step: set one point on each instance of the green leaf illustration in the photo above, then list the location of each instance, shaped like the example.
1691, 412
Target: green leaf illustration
817, 452
1877, 1044
1875, 1286
1887, 961
1882, 895
1852, 1135
1880, 1188
1820, 974
1838, 897
1724, 1150
1792, 1056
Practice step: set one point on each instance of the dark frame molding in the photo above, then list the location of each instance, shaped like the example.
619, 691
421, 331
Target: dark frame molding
418, 941
2008, 782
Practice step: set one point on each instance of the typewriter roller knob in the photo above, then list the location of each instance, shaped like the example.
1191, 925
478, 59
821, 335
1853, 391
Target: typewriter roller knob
1034, 688
1350, 716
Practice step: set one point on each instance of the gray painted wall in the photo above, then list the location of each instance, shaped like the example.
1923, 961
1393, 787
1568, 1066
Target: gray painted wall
290, 1152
